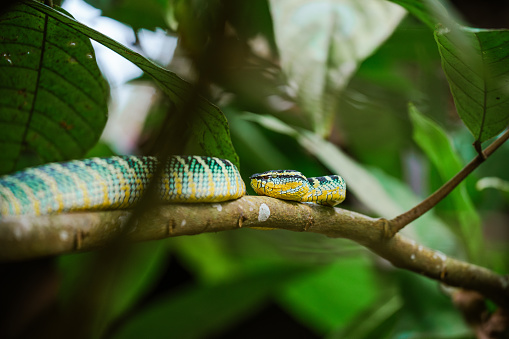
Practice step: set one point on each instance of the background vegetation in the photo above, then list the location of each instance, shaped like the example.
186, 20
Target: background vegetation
396, 103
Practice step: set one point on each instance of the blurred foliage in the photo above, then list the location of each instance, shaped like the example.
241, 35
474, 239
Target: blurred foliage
282, 75
321, 46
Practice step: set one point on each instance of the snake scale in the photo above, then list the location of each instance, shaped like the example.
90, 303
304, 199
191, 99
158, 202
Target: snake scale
120, 181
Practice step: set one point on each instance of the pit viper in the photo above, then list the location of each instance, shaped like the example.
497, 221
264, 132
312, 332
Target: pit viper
119, 182
328, 190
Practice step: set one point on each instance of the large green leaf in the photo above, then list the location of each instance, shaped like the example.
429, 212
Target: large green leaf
206, 132
53, 98
319, 298
477, 70
438, 147
321, 43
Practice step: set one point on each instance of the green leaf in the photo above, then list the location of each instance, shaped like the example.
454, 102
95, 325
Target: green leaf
202, 311
53, 98
206, 133
148, 14
493, 182
430, 12
437, 146
321, 44
213, 262
478, 73
419, 9
319, 298
376, 322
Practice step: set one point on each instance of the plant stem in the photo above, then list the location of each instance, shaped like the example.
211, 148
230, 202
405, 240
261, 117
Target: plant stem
404, 219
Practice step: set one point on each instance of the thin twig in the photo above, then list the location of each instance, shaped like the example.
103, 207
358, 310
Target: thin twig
404, 219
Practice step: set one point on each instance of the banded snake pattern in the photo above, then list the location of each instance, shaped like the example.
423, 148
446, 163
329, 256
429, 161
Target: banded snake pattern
120, 181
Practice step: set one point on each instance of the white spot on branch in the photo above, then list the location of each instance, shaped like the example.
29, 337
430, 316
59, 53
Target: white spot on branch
63, 235
440, 255
123, 220
263, 212
183, 223
23, 228
218, 206
18, 234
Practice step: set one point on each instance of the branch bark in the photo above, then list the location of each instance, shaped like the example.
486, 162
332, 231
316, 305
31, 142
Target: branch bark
31, 237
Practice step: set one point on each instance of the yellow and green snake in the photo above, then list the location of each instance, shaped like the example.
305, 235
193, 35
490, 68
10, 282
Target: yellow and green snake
119, 182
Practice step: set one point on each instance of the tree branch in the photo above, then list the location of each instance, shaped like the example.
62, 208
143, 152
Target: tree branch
404, 219
31, 237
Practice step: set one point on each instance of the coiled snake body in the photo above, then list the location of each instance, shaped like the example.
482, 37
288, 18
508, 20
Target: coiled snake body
119, 182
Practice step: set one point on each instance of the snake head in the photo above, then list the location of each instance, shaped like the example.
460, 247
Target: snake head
281, 184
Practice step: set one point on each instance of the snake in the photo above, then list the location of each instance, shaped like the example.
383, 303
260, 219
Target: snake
119, 182
328, 190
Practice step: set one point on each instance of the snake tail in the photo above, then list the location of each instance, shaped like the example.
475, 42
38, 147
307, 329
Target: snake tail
116, 182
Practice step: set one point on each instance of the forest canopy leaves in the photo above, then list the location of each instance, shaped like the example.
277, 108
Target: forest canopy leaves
53, 98
206, 133
321, 44
478, 75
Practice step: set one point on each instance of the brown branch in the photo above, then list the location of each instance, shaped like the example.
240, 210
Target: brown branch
486, 324
399, 222
31, 237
